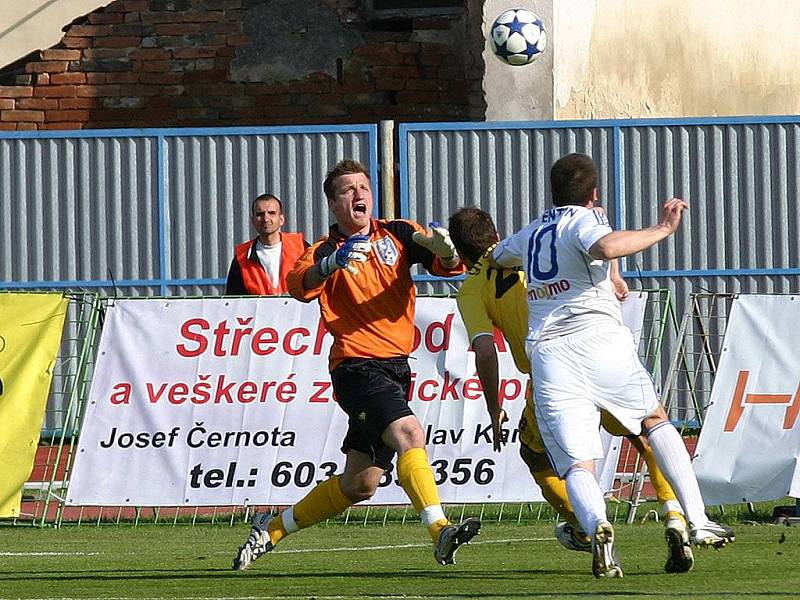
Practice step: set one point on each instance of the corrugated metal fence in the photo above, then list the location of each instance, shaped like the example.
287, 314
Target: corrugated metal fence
741, 177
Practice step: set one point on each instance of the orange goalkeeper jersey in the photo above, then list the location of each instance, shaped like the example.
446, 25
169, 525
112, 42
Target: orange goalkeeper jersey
370, 314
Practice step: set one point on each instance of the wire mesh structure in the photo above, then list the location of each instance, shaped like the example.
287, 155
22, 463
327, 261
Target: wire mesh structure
688, 382
687, 386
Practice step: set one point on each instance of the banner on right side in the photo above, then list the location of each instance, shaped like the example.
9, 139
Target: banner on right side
750, 441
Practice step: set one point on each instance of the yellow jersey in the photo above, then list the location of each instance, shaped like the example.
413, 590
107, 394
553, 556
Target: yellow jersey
496, 298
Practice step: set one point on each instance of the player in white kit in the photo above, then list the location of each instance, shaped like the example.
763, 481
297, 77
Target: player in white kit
583, 359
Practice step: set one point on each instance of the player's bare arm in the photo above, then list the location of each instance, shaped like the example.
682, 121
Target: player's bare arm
486, 365
617, 282
624, 243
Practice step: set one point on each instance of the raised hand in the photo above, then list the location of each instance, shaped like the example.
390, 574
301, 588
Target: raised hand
355, 249
438, 242
671, 213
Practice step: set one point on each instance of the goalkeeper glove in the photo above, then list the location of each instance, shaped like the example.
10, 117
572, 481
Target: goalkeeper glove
438, 242
356, 248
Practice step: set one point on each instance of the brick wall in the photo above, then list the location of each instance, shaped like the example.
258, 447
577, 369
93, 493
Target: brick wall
177, 63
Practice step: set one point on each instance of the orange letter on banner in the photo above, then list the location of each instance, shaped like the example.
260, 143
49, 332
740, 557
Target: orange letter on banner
739, 399
792, 411
737, 402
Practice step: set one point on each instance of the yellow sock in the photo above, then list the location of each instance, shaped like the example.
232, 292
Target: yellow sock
416, 477
662, 487
435, 528
554, 491
324, 501
276, 530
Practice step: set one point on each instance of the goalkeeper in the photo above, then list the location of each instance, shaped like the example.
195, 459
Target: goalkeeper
360, 274
496, 298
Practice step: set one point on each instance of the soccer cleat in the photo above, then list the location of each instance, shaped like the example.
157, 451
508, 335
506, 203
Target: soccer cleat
679, 551
572, 539
604, 556
257, 543
451, 537
712, 534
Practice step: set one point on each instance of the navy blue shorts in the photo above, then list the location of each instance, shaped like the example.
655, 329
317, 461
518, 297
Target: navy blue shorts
374, 393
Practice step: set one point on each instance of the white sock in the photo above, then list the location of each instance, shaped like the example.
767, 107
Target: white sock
674, 462
431, 514
587, 498
671, 506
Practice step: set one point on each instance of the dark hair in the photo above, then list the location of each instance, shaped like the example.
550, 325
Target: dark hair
572, 179
348, 166
472, 231
265, 197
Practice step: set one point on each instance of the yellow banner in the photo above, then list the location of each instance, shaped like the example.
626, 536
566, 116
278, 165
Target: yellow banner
30, 336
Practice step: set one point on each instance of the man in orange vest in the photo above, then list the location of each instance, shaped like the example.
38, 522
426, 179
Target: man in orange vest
260, 266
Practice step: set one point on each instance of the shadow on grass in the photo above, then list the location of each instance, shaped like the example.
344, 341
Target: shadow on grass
407, 574
406, 579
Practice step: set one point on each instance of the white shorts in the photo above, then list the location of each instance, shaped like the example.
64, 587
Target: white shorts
576, 376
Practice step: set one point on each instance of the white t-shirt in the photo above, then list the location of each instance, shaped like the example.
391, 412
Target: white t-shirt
568, 290
270, 259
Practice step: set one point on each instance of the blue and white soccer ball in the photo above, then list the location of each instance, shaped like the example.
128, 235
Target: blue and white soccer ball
518, 37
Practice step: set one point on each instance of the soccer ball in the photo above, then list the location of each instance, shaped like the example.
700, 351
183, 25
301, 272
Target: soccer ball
518, 37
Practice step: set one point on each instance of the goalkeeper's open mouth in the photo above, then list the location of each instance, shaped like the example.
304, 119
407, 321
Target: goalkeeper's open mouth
360, 208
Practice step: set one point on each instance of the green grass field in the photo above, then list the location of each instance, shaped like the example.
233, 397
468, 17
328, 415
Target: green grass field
507, 560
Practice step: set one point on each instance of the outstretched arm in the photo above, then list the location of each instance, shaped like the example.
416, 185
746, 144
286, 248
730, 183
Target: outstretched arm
624, 243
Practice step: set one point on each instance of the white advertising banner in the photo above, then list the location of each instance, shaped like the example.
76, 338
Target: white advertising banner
750, 441
223, 401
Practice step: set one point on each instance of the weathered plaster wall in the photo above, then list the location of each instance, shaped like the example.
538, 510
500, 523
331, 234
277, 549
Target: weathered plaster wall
651, 58
660, 58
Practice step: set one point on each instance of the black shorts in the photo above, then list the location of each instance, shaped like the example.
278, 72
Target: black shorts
373, 393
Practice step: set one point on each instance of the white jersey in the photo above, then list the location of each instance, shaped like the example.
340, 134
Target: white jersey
568, 290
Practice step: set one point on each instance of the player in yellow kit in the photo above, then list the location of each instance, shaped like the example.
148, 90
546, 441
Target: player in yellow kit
496, 298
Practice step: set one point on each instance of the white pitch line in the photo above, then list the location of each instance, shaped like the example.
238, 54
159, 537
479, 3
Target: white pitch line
395, 546
50, 553
305, 550
281, 597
